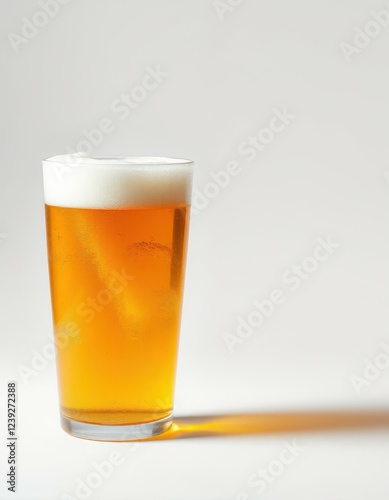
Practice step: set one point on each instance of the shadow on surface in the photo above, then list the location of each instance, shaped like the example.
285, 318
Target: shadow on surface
251, 424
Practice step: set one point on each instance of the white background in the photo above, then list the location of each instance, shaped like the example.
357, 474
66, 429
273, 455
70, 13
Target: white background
322, 176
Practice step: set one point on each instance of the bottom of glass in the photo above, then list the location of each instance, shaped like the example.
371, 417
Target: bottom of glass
97, 432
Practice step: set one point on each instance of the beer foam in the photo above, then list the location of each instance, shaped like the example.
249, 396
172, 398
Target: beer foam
81, 181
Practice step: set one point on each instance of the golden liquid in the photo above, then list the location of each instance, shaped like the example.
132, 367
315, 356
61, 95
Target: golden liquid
116, 287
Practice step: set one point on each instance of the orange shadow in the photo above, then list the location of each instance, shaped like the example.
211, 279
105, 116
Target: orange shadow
252, 424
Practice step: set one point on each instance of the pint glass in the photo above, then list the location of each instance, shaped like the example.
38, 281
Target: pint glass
117, 232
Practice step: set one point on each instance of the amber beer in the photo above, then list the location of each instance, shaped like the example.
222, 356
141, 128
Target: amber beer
117, 236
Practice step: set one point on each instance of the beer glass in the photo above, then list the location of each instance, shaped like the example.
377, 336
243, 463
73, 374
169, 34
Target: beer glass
117, 231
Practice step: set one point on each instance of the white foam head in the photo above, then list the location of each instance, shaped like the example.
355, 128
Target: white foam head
80, 181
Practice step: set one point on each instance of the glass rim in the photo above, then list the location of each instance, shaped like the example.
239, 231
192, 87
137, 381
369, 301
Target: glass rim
117, 160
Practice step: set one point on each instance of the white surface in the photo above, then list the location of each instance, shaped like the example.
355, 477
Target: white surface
220, 82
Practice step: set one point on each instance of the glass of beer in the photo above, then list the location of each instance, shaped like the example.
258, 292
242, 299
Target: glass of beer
117, 231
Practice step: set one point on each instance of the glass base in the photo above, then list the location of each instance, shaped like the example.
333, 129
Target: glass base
115, 432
